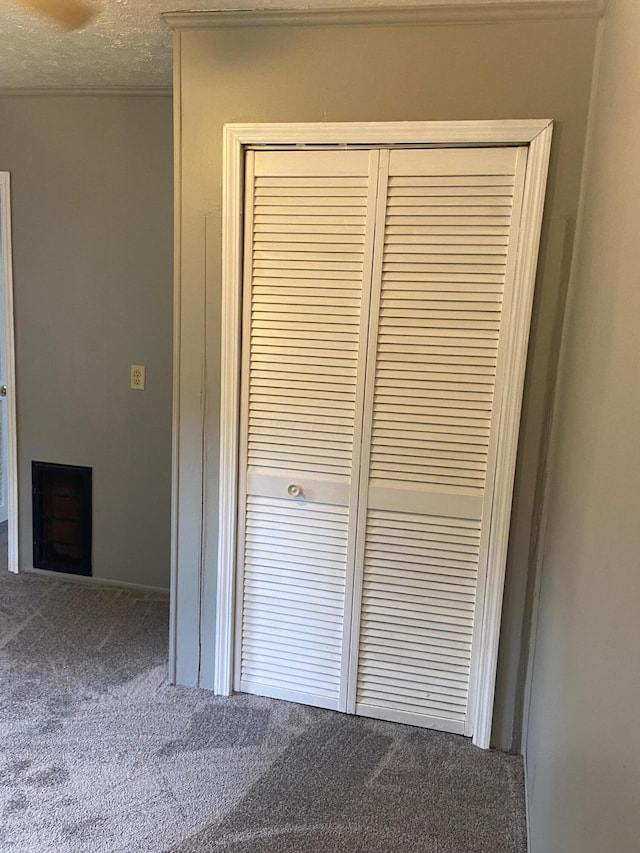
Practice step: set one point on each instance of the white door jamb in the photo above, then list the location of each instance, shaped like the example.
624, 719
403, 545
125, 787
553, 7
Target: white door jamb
10, 370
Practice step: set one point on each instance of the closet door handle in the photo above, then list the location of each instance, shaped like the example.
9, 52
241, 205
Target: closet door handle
294, 490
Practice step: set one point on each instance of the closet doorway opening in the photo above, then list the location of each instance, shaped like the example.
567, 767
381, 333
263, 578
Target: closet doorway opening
377, 291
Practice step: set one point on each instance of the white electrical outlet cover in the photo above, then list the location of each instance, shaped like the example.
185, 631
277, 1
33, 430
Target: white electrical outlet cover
138, 375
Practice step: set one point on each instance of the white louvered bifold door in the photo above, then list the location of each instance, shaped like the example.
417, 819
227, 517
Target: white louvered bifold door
308, 251
439, 337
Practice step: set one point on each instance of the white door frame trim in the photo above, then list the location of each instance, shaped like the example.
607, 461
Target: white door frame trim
537, 135
10, 369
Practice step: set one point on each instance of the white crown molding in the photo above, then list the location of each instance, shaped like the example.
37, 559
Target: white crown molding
429, 12
87, 91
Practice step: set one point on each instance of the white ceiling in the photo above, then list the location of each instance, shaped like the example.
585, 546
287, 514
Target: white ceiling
128, 44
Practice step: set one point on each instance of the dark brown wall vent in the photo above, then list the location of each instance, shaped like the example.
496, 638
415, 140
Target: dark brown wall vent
61, 518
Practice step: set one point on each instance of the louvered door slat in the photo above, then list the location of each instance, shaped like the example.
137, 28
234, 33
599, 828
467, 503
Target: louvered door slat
371, 378
307, 256
443, 267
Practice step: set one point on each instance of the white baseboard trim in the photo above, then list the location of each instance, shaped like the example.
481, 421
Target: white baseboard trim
65, 576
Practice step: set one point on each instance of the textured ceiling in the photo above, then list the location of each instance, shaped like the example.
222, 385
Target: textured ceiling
127, 44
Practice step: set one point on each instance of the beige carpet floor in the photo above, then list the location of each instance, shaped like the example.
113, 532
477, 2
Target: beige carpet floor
99, 754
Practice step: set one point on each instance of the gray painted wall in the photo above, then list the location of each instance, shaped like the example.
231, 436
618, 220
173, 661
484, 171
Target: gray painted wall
390, 73
92, 241
583, 745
